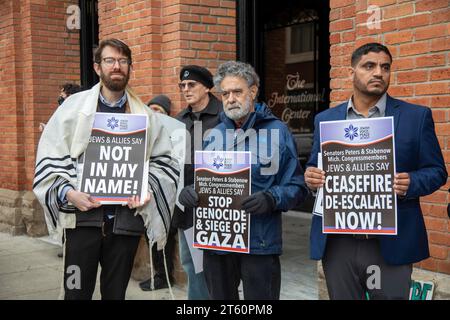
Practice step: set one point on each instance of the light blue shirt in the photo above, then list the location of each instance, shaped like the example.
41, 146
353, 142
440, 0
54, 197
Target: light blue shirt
378, 110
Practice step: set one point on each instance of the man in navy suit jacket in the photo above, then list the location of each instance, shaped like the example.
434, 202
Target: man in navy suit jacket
351, 261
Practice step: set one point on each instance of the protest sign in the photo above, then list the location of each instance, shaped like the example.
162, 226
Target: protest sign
113, 167
359, 163
222, 181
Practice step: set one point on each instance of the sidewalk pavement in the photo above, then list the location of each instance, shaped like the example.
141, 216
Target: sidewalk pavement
30, 268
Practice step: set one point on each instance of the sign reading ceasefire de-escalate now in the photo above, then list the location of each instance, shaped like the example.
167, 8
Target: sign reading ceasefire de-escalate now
359, 161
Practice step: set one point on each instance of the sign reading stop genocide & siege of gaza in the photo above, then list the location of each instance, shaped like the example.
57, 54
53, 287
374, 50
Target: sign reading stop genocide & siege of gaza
222, 181
113, 167
359, 163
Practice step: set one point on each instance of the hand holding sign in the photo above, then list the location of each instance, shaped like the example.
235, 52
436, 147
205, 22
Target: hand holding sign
259, 203
188, 197
135, 201
314, 178
81, 200
401, 183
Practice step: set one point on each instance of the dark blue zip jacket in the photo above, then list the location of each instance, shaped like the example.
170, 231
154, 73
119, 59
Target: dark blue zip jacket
276, 170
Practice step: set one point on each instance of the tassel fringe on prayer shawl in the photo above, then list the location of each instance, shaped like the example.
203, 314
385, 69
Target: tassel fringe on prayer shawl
65, 138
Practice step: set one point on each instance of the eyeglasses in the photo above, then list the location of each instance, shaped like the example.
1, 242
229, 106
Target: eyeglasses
189, 85
123, 62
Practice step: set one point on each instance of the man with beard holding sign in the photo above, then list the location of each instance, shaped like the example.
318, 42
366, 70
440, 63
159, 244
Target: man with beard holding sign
349, 261
95, 233
276, 186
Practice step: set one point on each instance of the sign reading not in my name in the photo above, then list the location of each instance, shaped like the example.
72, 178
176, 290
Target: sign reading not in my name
112, 168
222, 181
359, 161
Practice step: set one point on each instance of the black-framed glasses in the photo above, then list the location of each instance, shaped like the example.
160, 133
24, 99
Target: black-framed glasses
123, 62
189, 85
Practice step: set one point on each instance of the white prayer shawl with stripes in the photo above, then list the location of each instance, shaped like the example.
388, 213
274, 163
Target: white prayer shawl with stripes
65, 138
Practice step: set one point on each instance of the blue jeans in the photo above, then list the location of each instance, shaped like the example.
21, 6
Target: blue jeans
197, 289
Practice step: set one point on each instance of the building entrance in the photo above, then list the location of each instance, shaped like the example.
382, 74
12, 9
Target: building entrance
288, 44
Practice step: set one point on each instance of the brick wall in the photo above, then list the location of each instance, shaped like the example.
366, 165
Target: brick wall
37, 55
11, 155
165, 35
418, 36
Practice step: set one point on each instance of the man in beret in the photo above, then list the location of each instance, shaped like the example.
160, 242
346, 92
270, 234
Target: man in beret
202, 113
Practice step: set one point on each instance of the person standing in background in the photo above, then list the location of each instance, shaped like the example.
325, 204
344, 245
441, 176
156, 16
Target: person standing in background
202, 112
161, 104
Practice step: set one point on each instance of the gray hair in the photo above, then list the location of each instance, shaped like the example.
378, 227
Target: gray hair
236, 69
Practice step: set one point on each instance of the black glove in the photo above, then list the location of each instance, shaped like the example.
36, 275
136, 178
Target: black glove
261, 202
188, 197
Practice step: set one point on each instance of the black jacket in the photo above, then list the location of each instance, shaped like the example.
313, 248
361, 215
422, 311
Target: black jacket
209, 118
125, 221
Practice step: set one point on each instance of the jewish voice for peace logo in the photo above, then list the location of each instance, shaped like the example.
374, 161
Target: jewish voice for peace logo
218, 162
113, 123
351, 132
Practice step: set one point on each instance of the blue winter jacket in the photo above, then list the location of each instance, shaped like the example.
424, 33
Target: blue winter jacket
275, 152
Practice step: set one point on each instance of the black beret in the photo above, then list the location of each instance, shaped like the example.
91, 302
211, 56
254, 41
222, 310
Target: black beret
162, 101
197, 73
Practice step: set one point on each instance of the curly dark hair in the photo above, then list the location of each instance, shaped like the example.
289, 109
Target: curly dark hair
71, 88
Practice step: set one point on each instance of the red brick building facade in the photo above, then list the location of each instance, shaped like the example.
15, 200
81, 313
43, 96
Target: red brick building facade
37, 54
40, 50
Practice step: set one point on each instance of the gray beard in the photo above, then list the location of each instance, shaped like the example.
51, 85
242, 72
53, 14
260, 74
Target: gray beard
240, 113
